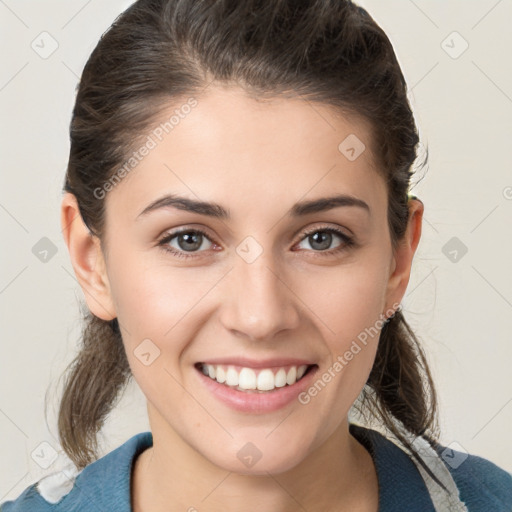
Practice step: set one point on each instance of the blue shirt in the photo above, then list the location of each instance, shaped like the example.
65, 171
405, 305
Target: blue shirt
104, 485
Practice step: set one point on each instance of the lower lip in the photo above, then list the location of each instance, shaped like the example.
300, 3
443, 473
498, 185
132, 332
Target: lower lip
255, 402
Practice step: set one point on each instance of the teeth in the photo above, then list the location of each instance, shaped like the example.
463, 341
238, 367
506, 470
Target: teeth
248, 379
265, 380
301, 370
280, 378
221, 375
291, 376
231, 376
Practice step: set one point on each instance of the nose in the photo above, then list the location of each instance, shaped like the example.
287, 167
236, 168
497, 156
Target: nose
259, 301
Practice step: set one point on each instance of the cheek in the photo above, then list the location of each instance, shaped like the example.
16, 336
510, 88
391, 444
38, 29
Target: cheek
154, 305
165, 306
349, 304
348, 299
151, 300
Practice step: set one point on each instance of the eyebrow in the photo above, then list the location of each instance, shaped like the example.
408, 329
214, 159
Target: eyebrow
219, 212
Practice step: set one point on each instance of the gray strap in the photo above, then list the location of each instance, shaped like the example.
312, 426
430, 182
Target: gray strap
58, 484
444, 500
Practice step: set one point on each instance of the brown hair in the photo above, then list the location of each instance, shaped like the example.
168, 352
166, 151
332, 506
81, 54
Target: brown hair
327, 51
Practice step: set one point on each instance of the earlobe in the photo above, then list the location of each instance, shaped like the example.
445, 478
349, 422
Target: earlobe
404, 253
87, 259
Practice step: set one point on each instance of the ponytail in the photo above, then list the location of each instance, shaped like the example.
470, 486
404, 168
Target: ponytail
94, 381
401, 383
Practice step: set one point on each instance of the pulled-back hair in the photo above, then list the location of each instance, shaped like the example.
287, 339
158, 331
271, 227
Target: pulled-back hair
161, 51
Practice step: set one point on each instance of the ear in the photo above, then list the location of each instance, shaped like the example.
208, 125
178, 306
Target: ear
403, 255
87, 259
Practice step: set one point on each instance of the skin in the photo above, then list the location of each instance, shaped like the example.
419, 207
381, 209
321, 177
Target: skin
256, 159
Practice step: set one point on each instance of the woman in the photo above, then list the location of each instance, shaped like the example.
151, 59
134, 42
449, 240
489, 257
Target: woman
237, 214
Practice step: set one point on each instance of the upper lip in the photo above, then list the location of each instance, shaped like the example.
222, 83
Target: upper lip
258, 363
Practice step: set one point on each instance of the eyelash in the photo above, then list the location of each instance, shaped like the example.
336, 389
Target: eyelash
347, 241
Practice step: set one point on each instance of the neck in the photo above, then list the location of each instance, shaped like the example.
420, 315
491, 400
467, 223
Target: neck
338, 476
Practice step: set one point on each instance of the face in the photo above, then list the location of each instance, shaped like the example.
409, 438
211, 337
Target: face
268, 281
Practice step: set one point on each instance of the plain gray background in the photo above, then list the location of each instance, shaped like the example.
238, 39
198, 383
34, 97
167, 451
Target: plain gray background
460, 303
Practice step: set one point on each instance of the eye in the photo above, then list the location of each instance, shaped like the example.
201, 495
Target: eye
187, 240
320, 239
191, 241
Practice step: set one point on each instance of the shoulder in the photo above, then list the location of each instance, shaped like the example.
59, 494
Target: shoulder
43, 495
28, 500
102, 485
482, 484
479, 484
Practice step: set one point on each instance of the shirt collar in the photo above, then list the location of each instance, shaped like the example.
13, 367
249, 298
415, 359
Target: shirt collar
105, 485
400, 484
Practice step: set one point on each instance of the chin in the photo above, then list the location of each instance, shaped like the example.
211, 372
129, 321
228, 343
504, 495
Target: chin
260, 457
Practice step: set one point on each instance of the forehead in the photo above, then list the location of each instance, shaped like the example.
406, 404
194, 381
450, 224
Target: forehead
235, 150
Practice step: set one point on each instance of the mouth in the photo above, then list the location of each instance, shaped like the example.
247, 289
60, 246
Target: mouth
255, 380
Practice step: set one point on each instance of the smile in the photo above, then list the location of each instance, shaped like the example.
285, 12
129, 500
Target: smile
254, 380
